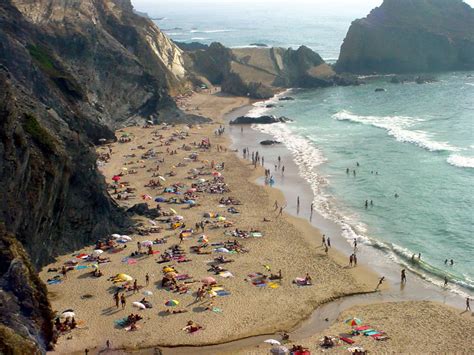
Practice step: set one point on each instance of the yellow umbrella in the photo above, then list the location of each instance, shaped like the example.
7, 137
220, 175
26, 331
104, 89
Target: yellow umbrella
173, 210
123, 278
168, 269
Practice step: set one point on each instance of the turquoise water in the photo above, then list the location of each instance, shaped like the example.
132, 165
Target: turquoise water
412, 140
416, 141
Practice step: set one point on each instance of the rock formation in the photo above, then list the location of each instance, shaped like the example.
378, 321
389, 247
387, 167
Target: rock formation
71, 71
260, 72
259, 120
403, 36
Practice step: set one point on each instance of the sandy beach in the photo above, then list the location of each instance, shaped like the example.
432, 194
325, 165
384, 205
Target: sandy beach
248, 306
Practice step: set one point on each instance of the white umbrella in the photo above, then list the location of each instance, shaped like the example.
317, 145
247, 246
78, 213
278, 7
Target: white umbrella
115, 235
139, 305
147, 293
152, 222
125, 237
68, 315
222, 250
272, 341
97, 252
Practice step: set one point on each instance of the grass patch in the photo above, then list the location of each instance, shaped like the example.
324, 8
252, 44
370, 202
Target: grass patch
42, 58
38, 133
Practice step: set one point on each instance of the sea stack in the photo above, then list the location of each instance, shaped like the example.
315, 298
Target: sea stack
403, 36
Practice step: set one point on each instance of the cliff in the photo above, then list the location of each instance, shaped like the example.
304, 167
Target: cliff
403, 36
71, 71
259, 72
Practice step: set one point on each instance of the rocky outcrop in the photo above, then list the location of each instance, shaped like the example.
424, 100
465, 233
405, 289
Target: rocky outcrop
260, 72
71, 71
403, 36
269, 142
259, 120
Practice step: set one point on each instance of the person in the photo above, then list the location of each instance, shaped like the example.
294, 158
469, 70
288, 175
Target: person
328, 242
117, 299
445, 281
326, 249
147, 279
123, 300
282, 170
281, 211
181, 238
298, 205
354, 172
355, 243
366, 203
135, 286
86, 351
308, 279
107, 344
347, 171
371, 202
419, 256
323, 241
403, 276
357, 163
311, 212
355, 259
279, 161
452, 262
446, 262
64, 272
380, 282
396, 195
275, 205
468, 304
351, 259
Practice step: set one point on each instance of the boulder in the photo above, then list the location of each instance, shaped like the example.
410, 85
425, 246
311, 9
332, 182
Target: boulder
269, 142
142, 209
259, 120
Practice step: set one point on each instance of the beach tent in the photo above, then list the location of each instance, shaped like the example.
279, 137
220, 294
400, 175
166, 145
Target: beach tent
97, 252
171, 303
353, 321
123, 278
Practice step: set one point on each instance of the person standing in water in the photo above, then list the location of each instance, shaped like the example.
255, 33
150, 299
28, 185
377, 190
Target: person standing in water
298, 205
282, 170
404, 276
468, 304
445, 281
311, 212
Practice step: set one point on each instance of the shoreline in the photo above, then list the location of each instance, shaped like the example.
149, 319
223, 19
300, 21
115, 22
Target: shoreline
294, 184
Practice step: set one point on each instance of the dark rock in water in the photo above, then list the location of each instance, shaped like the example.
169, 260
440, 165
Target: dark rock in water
259, 45
410, 36
269, 142
270, 106
286, 98
142, 209
259, 120
380, 90
425, 79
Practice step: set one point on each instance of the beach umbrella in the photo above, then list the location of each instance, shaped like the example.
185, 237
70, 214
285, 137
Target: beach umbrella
138, 305
216, 174
116, 178
147, 243
124, 168
221, 219
203, 239
161, 178
279, 350
173, 210
68, 314
209, 280
272, 341
167, 269
171, 303
115, 235
147, 293
178, 218
123, 278
201, 180
222, 250
97, 252
353, 321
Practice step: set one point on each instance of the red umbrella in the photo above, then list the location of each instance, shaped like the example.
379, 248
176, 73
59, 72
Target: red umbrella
116, 178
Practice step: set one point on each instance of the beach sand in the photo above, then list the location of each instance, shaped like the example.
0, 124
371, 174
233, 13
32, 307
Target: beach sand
288, 244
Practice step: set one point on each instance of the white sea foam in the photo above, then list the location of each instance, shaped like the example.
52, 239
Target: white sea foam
199, 38
397, 127
260, 108
461, 161
210, 31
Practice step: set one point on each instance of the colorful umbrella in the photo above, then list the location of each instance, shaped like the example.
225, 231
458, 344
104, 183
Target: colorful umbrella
203, 239
353, 321
116, 178
272, 341
171, 303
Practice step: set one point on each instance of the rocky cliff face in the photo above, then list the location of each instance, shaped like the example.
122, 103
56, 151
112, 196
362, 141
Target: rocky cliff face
259, 72
70, 72
404, 36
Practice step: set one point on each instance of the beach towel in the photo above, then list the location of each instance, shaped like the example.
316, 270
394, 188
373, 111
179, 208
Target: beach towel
131, 261
363, 327
54, 282
273, 285
181, 277
226, 274
261, 284
374, 332
347, 340
216, 310
80, 267
256, 234
223, 293
121, 322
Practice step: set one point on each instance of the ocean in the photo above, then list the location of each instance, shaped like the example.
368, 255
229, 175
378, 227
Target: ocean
412, 141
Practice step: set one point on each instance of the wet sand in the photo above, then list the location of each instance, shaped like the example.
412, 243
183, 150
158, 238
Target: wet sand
289, 244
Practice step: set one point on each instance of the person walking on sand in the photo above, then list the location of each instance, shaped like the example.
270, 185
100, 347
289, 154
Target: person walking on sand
468, 304
275, 205
355, 259
326, 249
281, 211
445, 281
279, 161
123, 300
107, 344
328, 242
323, 240
351, 259
403, 276
380, 282
147, 279
135, 286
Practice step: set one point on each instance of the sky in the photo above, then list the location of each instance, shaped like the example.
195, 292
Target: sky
147, 4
